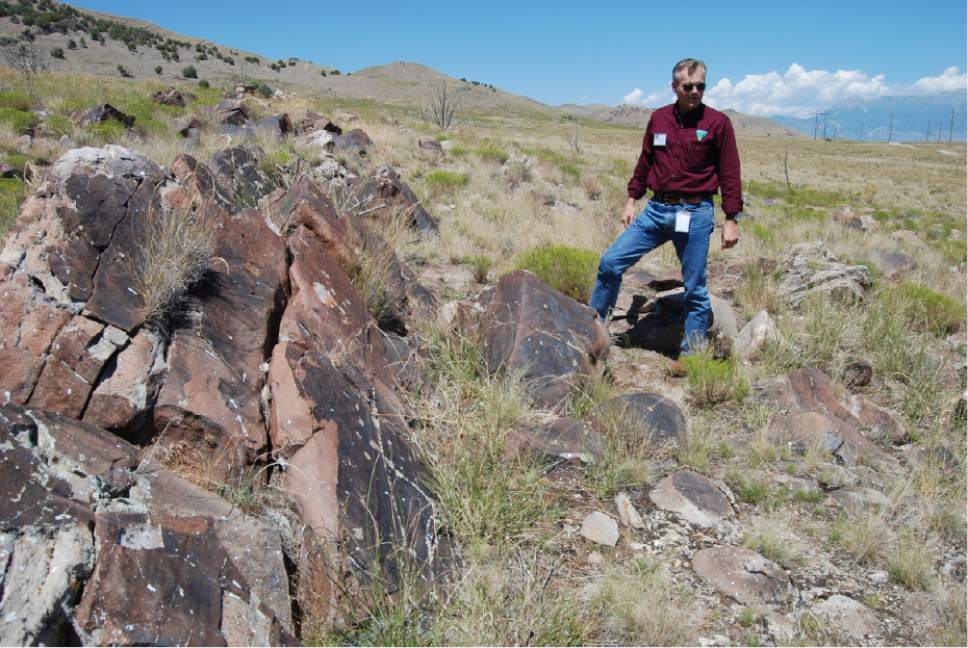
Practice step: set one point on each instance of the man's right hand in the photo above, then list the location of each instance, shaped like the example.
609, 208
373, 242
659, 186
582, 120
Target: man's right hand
628, 215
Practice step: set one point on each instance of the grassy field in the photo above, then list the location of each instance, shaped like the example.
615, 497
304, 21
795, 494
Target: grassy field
511, 183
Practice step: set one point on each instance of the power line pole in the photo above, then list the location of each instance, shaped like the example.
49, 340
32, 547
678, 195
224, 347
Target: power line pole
951, 125
825, 127
927, 133
815, 114
890, 132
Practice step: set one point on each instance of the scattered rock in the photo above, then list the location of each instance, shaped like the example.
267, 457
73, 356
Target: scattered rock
102, 113
627, 513
386, 197
847, 616
431, 145
878, 577
811, 269
237, 170
815, 412
600, 529
857, 499
757, 332
312, 122
279, 125
554, 341
744, 575
556, 438
595, 558
698, 499
910, 239
173, 97
660, 421
189, 127
355, 142
232, 111
892, 264
857, 374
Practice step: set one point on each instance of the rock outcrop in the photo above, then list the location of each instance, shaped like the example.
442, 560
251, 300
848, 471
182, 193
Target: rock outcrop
551, 340
268, 365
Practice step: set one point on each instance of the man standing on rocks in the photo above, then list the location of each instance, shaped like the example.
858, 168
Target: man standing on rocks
689, 151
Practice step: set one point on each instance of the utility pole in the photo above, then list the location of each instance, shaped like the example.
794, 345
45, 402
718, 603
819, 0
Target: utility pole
927, 133
951, 126
815, 115
825, 127
890, 132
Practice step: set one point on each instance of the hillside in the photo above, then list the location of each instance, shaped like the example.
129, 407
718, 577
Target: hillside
146, 51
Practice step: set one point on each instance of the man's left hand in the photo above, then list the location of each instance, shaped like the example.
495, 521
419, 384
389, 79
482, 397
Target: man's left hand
730, 233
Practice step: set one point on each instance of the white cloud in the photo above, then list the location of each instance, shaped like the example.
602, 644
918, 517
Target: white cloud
633, 97
950, 79
799, 92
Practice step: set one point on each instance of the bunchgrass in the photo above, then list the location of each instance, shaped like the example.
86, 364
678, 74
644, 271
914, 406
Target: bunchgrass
712, 381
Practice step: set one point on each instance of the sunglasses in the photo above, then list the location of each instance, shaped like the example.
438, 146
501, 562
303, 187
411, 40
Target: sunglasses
688, 87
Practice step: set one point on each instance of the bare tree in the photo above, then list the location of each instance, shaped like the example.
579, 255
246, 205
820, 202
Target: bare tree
441, 107
26, 58
575, 144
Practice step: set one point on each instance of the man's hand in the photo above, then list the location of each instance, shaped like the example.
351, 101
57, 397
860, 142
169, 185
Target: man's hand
628, 214
730, 233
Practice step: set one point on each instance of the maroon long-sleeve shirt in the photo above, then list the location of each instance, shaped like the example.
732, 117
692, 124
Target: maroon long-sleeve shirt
691, 153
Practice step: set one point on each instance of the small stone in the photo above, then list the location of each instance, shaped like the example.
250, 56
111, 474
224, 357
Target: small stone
878, 577
699, 500
595, 558
847, 616
627, 513
637, 546
600, 528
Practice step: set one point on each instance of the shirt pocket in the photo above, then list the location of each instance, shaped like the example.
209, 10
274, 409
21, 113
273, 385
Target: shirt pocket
700, 153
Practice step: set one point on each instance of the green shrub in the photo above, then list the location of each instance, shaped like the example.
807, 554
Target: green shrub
12, 192
15, 100
929, 310
441, 179
158, 69
566, 269
490, 152
108, 132
57, 53
189, 72
571, 170
19, 120
264, 90
714, 381
204, 84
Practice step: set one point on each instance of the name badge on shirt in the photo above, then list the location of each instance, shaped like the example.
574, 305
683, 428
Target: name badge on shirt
659, 139
682, 221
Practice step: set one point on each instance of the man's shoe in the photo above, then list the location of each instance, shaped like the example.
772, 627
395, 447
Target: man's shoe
676, 369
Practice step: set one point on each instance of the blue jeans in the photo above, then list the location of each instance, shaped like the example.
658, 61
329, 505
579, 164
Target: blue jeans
653, 227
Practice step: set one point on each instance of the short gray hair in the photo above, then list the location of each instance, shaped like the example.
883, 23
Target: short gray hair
689, 65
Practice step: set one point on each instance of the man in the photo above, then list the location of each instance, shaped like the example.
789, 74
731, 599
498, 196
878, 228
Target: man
689, 150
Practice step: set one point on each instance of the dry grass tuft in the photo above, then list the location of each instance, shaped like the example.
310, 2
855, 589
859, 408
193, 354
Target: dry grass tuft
179, 245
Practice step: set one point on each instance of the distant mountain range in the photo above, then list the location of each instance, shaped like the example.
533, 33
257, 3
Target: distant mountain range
902, 118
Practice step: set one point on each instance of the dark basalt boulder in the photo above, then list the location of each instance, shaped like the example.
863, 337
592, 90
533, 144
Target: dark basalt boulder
550, 339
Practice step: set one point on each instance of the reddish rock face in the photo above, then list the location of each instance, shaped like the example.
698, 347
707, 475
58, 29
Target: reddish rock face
744, 576
659, 420
122, 399
164, 580
28, 325
817, 413
77, 355
386, 188
210, 398
551, 339
352, 476
237, 169
307, 205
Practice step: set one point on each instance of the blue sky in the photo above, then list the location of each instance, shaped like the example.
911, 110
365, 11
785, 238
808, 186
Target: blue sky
777, 56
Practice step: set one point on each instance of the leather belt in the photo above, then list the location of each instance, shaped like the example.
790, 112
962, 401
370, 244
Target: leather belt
673, 198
